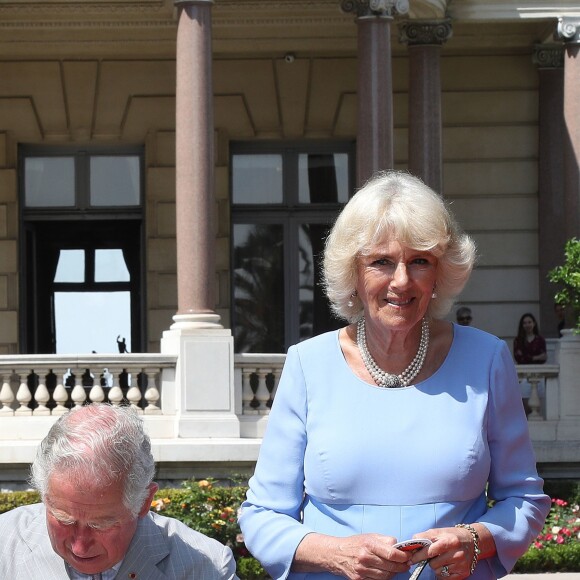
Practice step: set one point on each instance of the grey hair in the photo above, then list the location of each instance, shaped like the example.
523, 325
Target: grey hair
98, 443
396, 205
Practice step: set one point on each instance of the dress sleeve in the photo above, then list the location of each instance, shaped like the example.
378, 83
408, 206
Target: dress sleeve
270, 516
520, 507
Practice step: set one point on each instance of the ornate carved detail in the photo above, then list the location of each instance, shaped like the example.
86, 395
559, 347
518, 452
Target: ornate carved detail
374, 8
548, 55
188, 2
414, 32
569, 30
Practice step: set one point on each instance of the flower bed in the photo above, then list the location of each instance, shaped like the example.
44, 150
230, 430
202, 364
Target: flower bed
212, 509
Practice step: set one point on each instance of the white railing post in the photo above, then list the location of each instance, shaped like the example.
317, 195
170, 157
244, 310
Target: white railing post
6, 395
262, 392
133, 391
247, 392
23, 395
115, 392
78, 393
152, 395
41, 396
534, 400
60, 394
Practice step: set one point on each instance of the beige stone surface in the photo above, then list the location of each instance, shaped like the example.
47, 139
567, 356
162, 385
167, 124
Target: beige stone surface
3, 292
165, 219
167, 291
484, 177
3, 222
509, 249
8, 185
161, 253
8, 326
8, 256
161, 183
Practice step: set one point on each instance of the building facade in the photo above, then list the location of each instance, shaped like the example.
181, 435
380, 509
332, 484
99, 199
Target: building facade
172, 166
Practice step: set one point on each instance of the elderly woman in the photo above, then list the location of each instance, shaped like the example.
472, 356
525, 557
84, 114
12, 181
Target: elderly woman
397, 425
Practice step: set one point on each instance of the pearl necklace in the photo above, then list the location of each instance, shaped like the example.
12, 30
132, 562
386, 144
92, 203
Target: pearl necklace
381, 377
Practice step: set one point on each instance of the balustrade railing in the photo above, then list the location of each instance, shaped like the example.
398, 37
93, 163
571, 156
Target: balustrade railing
541, 375
260, 374
40, 385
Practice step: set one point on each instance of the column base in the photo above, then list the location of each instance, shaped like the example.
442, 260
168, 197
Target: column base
197, 320
204, 381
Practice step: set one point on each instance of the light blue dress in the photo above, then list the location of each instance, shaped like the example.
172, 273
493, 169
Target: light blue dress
344, 457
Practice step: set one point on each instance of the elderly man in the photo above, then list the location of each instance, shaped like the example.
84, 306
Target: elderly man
94, 471
463, 315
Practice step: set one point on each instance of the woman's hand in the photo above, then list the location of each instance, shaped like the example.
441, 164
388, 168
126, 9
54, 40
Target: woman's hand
452, 551
354, 557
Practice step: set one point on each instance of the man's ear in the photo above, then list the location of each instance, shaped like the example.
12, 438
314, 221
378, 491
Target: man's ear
153, 487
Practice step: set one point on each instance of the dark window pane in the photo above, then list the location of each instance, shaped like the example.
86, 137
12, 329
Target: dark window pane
323, 178
115, 181
258, 288
49, 181
315, 314
257, 178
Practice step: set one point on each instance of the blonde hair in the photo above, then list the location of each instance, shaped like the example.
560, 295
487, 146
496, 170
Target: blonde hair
396, 205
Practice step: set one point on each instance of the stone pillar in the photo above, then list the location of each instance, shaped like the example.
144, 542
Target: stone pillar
551, 202
425, 39
194, 168
375, 84
204, 375
569, 32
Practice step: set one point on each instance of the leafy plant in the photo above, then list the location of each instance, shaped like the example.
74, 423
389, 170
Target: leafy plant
557, 547
568, 276
212, 509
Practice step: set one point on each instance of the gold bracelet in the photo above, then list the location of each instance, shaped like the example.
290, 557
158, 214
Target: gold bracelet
476, 550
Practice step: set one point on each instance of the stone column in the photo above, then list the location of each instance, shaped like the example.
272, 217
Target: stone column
194, 168
204, 376
425, 39
375, 84
569, 32
551, 202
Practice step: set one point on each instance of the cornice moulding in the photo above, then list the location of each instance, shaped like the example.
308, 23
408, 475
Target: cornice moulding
490, 10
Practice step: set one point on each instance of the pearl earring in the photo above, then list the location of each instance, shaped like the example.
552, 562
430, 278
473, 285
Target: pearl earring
434, 294
350, 303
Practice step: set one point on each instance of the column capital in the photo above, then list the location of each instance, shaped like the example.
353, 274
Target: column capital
548, 56
569, 29
179, 3
375, 8
423, 32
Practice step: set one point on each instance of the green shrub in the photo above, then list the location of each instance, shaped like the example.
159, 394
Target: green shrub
212, 509
12, 499
565, 558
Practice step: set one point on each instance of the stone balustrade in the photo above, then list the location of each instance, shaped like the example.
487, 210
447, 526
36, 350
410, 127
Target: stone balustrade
35, 389
545, 375
40, 385
44, 385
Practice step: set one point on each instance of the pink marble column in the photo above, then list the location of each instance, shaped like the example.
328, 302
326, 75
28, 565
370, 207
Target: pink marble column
424, 39
569, 31
551, 204
194, 167
375, 85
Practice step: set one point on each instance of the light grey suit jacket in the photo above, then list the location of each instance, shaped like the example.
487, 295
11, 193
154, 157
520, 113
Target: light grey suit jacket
162, 548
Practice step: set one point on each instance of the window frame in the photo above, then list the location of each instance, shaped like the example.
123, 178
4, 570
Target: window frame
290, 214
82, 211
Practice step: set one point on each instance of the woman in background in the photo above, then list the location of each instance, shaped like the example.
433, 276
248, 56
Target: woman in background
530, 348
